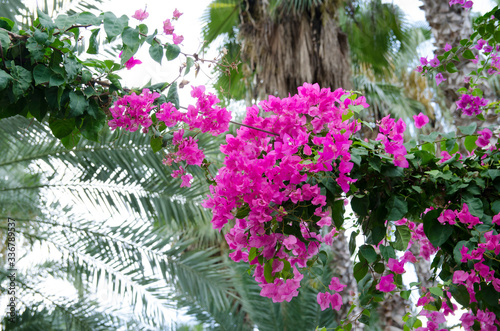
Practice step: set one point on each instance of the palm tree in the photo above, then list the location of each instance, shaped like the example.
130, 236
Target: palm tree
145, 253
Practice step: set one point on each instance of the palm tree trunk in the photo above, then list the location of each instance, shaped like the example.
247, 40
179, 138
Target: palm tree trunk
287, 48
450, 24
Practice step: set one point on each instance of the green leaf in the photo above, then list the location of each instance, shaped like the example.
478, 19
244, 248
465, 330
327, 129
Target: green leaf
130, 37
71, 140
477, 92
5, 79
93, 43
470, 143
403, 236
41, 74
4, 40
86, 77
37, 105
387, 252
469, 129
360, 270
156, 52
156, 143
21, 80
397, 208
405, 294
375, 163
430, 138
61, 127
429, 147
72, 67
172, 95
45, 20
436, 232
268, 271
436, 291
172, 51
252, 254
450, 145
56, 80
115, 80
450, 67
493, 173
352, 242
338, 213
368, 253
189, 64
360, 205
468, 55
113, 25
77, 104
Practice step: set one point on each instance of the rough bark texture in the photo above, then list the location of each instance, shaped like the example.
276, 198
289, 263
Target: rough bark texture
450, 25
287, 49
391, 312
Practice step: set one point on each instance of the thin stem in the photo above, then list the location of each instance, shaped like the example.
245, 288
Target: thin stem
252, 127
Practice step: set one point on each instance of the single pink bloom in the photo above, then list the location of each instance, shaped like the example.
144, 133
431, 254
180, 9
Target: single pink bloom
439, 78
447, 47
177, 39
484, 139
323, 300
132, 62
386, 283
140, 15
396, 266
434, 62
419, 69
168, 28
177, 14
496, 219
424, 61
335, 285
401, 161
420, 120
336, 301
467, 79
186, 180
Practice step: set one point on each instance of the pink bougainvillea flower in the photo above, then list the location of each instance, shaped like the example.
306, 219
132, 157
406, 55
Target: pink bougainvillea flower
424, 61
140, 15
386, 283
323, 300
496, 219
447, 47
132, 63
396, 266
335, 285
168, 28
177, 39
336, 301
434, 62
401, 161
439, 78
484, 139
447, 216
177, 14
420, 120
186, 180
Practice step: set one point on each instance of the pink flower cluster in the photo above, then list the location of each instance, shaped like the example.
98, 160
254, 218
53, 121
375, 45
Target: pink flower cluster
267, 167
326, 299
471, 105
392, 137
464, 216
168, 28
133, 111
465, 3
205, 115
